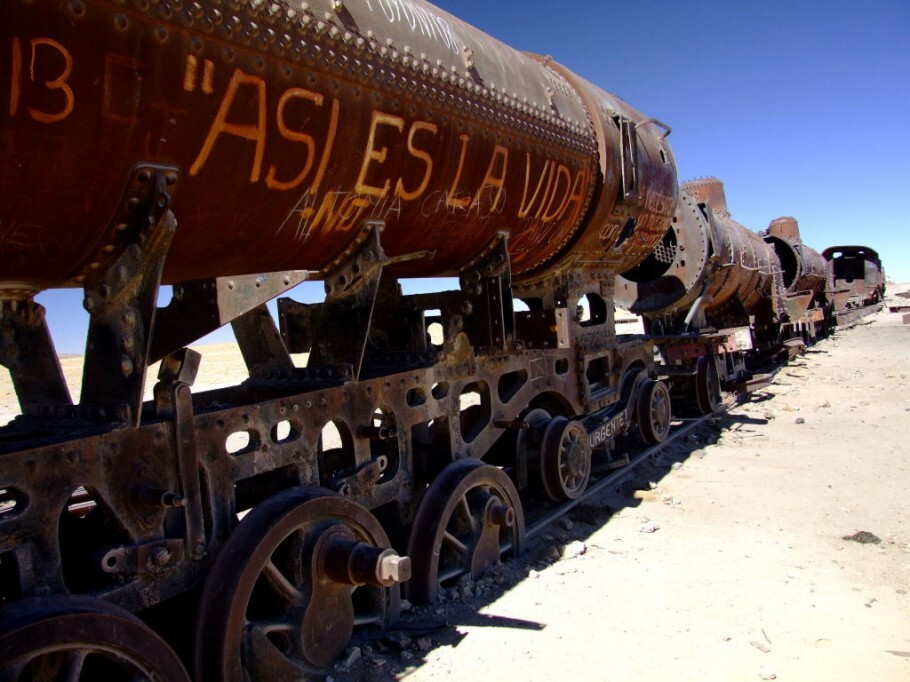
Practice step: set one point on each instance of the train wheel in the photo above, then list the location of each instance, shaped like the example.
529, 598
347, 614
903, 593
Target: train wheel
288, 587
565, 459
81, 638
707, 385
468, 520
653, 411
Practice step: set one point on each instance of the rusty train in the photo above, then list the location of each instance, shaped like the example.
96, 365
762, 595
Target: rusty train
718, 299
857, 281
235, 148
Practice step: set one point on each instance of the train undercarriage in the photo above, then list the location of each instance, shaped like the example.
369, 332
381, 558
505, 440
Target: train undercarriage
290, 509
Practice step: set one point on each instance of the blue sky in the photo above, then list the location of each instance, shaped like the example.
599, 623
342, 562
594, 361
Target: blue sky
801, 108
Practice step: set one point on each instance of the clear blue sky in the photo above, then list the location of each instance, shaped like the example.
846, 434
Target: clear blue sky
801, 108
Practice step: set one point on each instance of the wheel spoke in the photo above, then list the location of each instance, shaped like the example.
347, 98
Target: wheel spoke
71, 670
280, 583
464, 510
450, 573
266, 627
361, 619
456, 544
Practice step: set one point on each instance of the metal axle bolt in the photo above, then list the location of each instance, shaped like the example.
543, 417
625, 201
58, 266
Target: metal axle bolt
500, 514
358, 563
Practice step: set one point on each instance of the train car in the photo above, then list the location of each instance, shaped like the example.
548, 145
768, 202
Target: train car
858, 282
806, 285
710, 296
719, 300
233, 150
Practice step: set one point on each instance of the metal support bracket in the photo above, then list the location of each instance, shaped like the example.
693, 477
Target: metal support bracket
487, 284
264, 353
202, 306
174, 400
121, 294
341, 324
27, 351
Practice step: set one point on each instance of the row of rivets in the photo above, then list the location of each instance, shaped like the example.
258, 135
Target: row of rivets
274, 14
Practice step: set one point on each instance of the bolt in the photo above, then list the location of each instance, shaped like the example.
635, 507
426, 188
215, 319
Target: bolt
501, 514
394, 569
161, 556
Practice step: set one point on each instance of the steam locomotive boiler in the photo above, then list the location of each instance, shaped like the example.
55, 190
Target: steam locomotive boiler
233, 149
706, 294
718, 299
806, 285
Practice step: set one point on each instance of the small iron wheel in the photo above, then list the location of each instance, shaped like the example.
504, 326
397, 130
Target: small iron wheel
290, 584
707, 385
653, 411
528, 444
565, 459
468, 520
81, 638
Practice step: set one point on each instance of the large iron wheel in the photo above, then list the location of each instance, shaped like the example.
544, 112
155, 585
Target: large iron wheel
468, 520
289, 586
565, 459
707, 385
80, 638
653, 411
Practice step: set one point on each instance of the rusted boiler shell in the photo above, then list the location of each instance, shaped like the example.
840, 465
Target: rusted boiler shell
706, 254
287, 126
803, 269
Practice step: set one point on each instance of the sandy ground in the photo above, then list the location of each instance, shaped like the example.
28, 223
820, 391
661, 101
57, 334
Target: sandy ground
745, 574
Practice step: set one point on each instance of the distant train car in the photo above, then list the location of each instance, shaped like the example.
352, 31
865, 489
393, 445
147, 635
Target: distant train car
711, 295
805, 281
718, 298
858, 281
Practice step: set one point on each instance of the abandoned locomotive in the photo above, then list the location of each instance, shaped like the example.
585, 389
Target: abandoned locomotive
233, 149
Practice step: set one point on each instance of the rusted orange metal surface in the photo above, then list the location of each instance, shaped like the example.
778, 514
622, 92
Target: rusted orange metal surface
286, 128
705, 257
804, 269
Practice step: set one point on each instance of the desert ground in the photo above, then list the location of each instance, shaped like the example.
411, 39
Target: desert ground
725, 558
